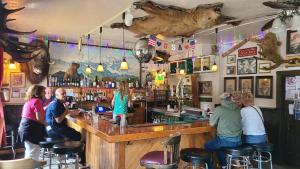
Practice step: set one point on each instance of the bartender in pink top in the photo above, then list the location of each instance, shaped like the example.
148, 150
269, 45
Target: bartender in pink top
32, 126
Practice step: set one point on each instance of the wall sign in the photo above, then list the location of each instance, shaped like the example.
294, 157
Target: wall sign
247, 52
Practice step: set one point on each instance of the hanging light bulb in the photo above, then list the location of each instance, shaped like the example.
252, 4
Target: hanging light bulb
278, 26
124, 64
100, 66
164, 73
88, 69
128, 18
296, 23
12, 65
181, 71
214, 67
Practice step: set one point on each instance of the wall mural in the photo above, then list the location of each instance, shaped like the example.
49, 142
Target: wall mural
68, 55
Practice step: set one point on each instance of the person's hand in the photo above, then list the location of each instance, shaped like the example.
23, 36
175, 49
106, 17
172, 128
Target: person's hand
74, 112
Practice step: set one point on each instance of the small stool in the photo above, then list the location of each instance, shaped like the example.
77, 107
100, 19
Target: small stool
259, 158
194, 157
48, 144
68, 147
241, 153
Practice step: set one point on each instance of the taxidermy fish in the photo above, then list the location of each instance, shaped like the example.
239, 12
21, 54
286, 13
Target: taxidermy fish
171, 21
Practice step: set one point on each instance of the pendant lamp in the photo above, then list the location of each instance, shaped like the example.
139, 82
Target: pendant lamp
100, 66
124, 64
12, 65
88, 69
214, 67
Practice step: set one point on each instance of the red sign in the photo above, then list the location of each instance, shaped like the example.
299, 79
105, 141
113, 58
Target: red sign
247, 52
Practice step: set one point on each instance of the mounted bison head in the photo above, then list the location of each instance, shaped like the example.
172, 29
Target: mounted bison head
37, 68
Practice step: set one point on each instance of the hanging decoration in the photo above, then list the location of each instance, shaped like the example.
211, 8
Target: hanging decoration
158, 43
88, 69
152, 40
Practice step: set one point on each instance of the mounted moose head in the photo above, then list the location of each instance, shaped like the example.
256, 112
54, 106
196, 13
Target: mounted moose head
22, 52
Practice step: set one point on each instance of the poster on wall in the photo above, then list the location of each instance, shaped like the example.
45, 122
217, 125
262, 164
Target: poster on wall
290, 88
68, 60
293, 42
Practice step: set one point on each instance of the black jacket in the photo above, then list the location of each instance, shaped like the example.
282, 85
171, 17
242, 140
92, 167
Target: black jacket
32, 131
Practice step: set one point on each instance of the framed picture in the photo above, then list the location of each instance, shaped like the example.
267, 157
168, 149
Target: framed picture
15, 93
246, 66
197, 64
263, 66
231, 59
246, 83
17, 80
173, 67
5, 94
230, 70
293, 42
205, 88
264, 87
229, 84
206, 63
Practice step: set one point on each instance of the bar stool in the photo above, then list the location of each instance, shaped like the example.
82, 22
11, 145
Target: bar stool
47, 144
262, 154
240, 154
167, 159
194, 157
68, 147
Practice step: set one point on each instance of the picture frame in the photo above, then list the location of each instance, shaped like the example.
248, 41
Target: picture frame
17, 80
293, 42
197, 64
205, 88
231, 59
264, 87
206, 63
5, 94
173, 67
246, 83
15, 93
247, 66
229, 84
230, 70
262, 66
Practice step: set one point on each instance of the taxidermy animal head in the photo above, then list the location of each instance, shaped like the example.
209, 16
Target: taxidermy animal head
38, 67
17, 50
173, 21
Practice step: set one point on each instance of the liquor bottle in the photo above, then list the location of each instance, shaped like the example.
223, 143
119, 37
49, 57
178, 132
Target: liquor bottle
113, 84
96, 81
81, 82
91, 96
87, 95
137, 84
109, 84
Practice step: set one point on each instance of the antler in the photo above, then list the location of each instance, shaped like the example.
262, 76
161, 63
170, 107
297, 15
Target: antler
17, 50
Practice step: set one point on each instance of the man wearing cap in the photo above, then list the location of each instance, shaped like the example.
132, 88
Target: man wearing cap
227, 119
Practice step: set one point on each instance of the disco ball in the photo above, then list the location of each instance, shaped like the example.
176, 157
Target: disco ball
142, 51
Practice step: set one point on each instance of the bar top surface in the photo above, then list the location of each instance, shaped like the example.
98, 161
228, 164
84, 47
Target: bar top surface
113, 133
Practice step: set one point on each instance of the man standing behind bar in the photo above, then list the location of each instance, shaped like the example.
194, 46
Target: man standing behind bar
55, 118
227, 118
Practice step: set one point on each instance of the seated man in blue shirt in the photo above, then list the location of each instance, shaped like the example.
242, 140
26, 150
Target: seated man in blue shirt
55, 118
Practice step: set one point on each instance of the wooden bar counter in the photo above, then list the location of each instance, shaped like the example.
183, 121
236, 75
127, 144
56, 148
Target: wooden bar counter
110, 147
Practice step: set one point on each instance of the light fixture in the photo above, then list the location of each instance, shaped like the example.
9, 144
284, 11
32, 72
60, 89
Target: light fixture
164, 73
181, 71
124, 64
12, 65
278, 26
128, 18
214, 67
100, 66
296, 22
88, 69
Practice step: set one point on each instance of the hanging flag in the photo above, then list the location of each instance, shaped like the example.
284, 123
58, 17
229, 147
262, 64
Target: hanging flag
152, 40
165, 45
192, 44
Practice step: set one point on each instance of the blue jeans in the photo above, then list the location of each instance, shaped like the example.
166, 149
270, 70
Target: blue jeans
217, 144
254, 139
